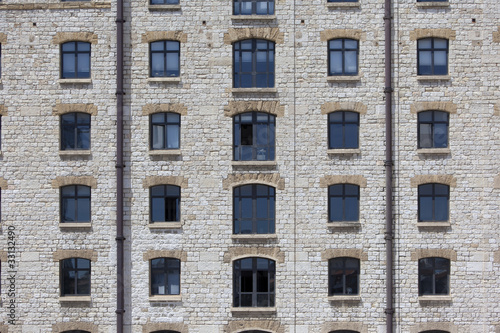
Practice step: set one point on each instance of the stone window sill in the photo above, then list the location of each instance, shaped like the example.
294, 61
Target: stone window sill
165, 225
254, 163
428, 4
334, 225
433, 77
254, 237
75, 299
343, 298
437, 151
253, 17
343, 78
75, 81
254, 90
165, 298
175, 79
164, 7
435, 298
430, 224
74, 152
343, 5
76, 225
254, 311
343, 151
160, 152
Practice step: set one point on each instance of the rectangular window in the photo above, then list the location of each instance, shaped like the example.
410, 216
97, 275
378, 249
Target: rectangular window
432, 56
253, 7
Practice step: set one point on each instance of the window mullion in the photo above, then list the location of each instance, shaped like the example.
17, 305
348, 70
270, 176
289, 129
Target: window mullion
254, 282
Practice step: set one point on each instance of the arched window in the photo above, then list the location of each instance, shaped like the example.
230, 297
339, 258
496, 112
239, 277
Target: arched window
75, 203
433, 129
165, 130
432, 56
165, 276
343, 276
343, 331
253, 209
253, 282
433, 276
165, 203
76, 331
253, 7
75, 277
164, 58
254, 136
75, 131
75, 60
165, 331
435, 331
433, 202
343, 130
343, 56
253, 64
343, 201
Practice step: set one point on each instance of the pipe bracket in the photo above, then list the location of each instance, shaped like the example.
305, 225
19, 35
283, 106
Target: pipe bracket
390, 311
389, 236
388, 90
389, 163
120, 311
120, 238
118, 166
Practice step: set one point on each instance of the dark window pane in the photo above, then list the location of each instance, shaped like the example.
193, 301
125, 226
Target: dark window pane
75, 131
164, 59
432, 56
343, 276
75, 203
343, 130
165, 203
253, 209
75, 60
343, 202
253, 282
75, 276
253, 64
343, 57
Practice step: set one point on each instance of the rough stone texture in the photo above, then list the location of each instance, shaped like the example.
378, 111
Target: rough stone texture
234, 180
85, 326
335, 253
439, 105
74, 180
425, 253
165, 180
357, 34
343, 179
178, 254
4, 328
152, 36
240, 326
426, 179
60, 109
236, 34
343, 106
235, 253
496, 36
3, 38
55, 6
496, 257
3, 256
63, 37
179, 108
65, 254
440, 33
272, 107
3, 183
3, 110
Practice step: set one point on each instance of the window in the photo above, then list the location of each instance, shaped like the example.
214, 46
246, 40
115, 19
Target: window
432, 56
343, 202
164, 2
253, 64
432, 1
75, 203
343, 130
254, 136
165, 276
253, 280
253, 7
165, 130
433, 276
75, 61
435, 331
343, 57
165, 203
343, 276
433, 202
75, 131
164, 58
253, 209
343, 1
75, 277
433, 129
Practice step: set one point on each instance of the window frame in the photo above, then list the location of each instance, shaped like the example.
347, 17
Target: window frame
433, 196
63, 282
343, 51
343, 196
166, 206
344, 276
78, 129
433, 51
346, 131
77, 205
164, 2
165, 51
269, 73
268, 149
165, 124
432, 124
76, 53
271, 287
239, 3
238, 214
164, 271
432, 275
334, 1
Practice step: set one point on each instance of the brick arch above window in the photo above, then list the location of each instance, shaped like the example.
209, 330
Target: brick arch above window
329, 34
449, 107
153, 36
84, 326
343, 106
74, 180
418, 254
63, 37
422, 327
66, 254
3, 257
3, 183
150, 109
3, 38
63, 108
336, 253
437, 33
237, 34
177, 254
3, 110
271, 107
240, 326
153, 327
236, 253
165, 180
439, 179
4, 328
234, 180
334, 326
343, 179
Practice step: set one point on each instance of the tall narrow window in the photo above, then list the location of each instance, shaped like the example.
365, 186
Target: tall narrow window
75, 277
433, 276
433, 129
164, 58
75, 203
433, 202
253, 7
165, 276
165, 130
75, 60
253, 64
165, 203
253, 209
75, 131
343, 276
432, 56
343, 130
343, 202
343, 56
254, 136
253, 282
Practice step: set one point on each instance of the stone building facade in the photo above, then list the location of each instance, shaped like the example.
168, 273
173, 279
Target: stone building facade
34, 95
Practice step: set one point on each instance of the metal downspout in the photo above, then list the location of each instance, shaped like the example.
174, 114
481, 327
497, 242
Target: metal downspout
120, 299
389, 234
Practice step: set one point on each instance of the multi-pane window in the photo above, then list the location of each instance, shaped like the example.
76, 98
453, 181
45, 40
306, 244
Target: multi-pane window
343, 277
164, 2
253, 7
253, 64
432, 56
433, 129
165, 130
165, 203
75, 60
253, 282
164, 58
254, 136
75, 203
433, 276
433, 202
343, 202
75, 277
343, 56
165, 276
343, 130
253, 209
75, 131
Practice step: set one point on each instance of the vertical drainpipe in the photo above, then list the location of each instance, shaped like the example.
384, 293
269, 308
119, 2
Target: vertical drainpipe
389, 234
120, 299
